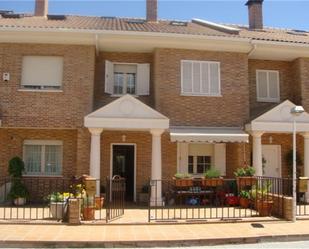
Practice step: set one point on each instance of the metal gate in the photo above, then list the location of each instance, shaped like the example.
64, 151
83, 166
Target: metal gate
115, 197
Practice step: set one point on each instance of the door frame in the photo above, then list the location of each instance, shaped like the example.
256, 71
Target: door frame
279, 156
111, 164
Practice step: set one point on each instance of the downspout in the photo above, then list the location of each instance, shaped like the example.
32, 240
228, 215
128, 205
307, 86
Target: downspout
254, 47
97, 46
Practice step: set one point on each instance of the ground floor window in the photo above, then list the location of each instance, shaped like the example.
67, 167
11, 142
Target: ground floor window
199, 158
43, 157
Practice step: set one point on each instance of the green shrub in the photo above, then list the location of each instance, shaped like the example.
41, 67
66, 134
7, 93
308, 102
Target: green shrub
247, 171
212, 173
16, 167
244, 194
18, 190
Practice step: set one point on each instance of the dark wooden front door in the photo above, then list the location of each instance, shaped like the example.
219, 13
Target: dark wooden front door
123, 165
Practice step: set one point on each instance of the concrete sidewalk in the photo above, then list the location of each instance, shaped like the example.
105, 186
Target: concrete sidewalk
149, 235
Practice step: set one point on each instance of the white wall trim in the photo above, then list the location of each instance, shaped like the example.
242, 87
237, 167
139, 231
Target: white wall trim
111, 164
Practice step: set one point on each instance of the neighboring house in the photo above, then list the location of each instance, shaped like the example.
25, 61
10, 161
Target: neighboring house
107, 95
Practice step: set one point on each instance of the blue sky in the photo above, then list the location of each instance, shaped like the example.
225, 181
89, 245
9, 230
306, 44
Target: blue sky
284, 14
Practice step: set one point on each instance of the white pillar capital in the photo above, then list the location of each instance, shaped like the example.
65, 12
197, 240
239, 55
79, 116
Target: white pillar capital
256, 133
305, 135
95, 131
156, 132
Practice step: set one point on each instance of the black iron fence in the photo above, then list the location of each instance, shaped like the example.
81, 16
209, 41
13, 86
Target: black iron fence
203, 199
47, 198
115, 198
302, 197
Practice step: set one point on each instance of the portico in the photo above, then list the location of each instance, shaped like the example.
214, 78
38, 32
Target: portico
278, 120
127, 114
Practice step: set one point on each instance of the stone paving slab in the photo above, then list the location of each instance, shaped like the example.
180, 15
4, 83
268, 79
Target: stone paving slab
31, 235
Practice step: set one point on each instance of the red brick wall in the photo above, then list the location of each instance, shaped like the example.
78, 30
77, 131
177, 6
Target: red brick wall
100, 97
202, 110
11, 144
47, 109
287, 83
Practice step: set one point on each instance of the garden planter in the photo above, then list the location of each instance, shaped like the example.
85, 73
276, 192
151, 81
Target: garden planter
58, 210
99, 202
183, 182
88, 213
303, 184
244, 202
20, 201
245, 181
264, 207
212, 182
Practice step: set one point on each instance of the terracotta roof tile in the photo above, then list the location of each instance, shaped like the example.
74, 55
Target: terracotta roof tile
162, 26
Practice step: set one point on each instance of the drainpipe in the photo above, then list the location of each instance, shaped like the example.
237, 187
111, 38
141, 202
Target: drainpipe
254, 47
96, 43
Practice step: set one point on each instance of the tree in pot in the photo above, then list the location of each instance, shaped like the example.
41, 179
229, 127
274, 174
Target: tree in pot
262, 196
244, 198
18, 192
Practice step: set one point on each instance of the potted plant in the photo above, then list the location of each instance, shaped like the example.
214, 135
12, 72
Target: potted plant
245, 177
88, 207
212, 178
18, 192
262, 197
144, 194
58, 204
244, 198
183, 180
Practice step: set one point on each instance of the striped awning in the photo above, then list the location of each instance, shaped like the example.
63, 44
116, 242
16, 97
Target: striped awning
208, 135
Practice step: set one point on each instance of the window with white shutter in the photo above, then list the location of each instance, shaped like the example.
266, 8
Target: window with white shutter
267, 86
123, 78
42, 72
200, 78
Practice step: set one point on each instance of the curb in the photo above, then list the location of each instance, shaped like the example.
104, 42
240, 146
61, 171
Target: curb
149, 244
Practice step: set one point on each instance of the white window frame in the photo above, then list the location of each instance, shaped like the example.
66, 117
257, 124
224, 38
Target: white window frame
38, 88
44, 143
125, 84
200, 93
267, 99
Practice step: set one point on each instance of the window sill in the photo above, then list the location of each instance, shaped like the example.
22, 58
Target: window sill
120, 95
199, 95
49, 176
38, 90
269, 100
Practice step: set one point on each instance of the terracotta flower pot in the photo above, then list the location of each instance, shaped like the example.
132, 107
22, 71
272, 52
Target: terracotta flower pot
99, 202
245, 181
244, 202
88, 213
212, 182
264, 207
185, 182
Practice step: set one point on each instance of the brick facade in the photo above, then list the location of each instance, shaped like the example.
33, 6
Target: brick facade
199, 111
47, 109
100, 97
11, 144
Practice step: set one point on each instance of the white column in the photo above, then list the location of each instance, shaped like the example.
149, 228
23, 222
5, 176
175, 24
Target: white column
95, 152
306, 159
257, 152
156, 168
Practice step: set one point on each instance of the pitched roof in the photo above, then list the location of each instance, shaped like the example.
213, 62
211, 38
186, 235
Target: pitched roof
72, 22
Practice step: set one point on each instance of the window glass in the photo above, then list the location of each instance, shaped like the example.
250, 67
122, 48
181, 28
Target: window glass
125, 79
203, 164
190, 165
43, 159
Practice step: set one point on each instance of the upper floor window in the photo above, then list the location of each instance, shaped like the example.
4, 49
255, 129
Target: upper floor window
200, 78
42, 72
43, 157
127, 78
267, 86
